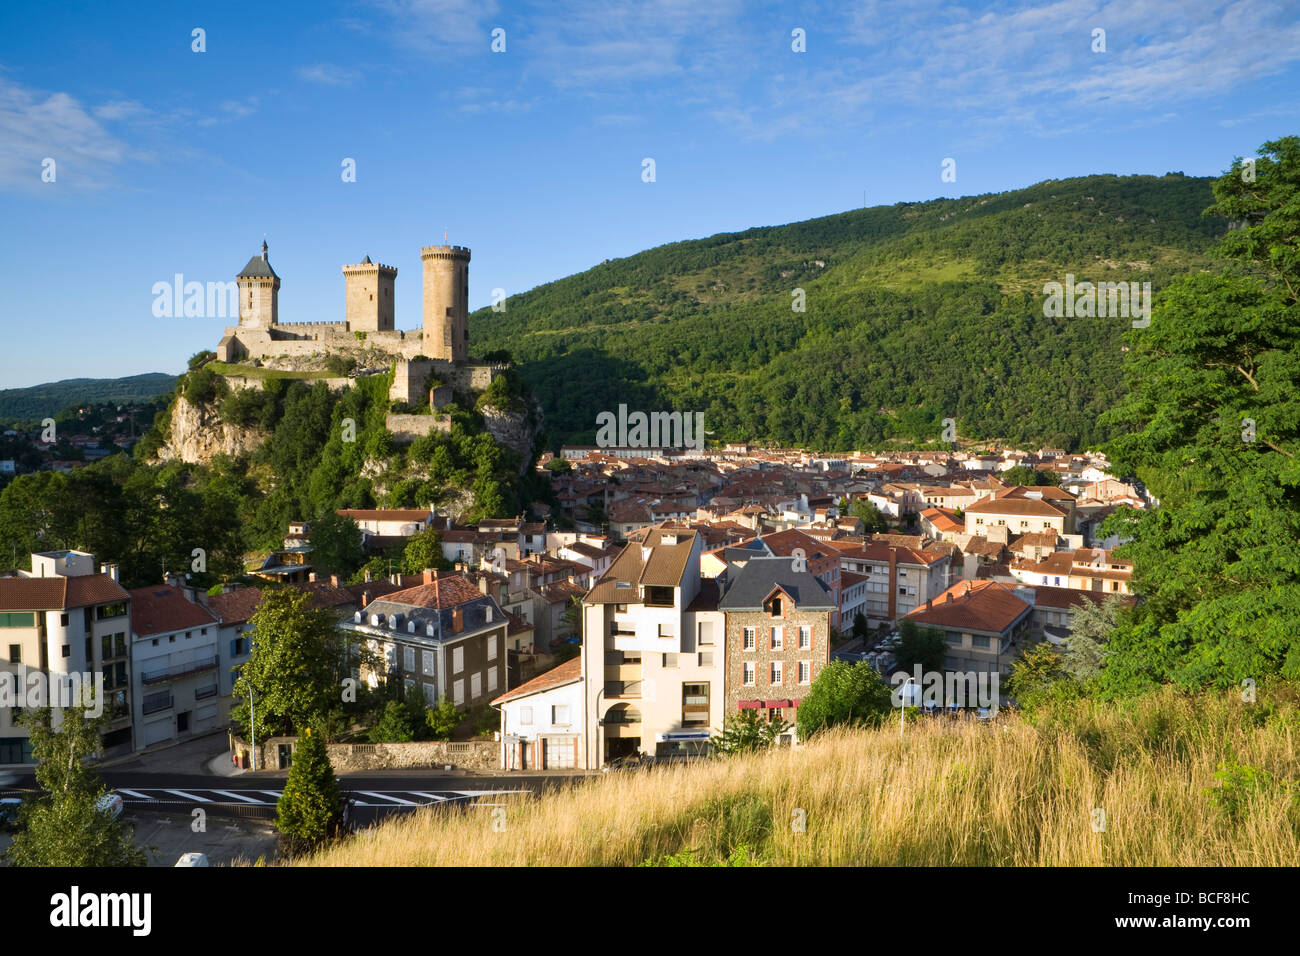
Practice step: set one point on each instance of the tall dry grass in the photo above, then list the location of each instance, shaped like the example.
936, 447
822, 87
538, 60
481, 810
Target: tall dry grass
1015, 792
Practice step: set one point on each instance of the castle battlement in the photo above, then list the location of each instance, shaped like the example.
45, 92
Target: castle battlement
444, 252
370, 268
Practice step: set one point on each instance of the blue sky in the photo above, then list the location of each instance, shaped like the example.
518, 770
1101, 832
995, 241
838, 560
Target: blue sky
168, 160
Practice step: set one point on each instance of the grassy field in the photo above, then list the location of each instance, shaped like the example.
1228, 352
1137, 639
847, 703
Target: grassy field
1203, 781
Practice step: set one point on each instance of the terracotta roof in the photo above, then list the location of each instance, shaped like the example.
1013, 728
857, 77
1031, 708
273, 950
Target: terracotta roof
442, 593
1062, 598
943, 519
161, 608
385, 514
237, 606
664, 568
1016, 506
566, 673
58, 592
323, 594
973, 606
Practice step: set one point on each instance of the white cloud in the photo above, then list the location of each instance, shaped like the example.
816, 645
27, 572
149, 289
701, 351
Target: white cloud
328, 74
34, 126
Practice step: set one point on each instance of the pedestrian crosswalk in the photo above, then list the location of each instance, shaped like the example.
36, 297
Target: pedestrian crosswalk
361, 798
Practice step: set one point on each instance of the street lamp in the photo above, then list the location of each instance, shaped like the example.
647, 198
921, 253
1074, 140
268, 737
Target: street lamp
252, 723
903, 696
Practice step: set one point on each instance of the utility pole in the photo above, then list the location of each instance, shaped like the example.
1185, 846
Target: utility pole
252, 724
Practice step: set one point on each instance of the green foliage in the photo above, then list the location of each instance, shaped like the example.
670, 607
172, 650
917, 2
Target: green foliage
843, 694
202, 386
63, 827
1211, 426
1091, 626
310, 810
1039, 675
36, 402
294, 666
873, 521
424, 551
742, 855
558, 466
746, 732
924, 646
395, 726
336, 544
340, 365
443, 719
1029, 477
922, 311
1238, 784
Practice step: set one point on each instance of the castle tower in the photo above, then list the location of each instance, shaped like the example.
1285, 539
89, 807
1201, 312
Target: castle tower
369, 296
446, 302
259, 289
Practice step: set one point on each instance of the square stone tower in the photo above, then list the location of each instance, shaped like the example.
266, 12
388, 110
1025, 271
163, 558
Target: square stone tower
369, 306
259, 292
446, 303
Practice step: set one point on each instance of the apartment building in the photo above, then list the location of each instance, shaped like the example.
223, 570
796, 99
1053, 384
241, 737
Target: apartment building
777, 628
1022, 510
541, 721
897, 579
1086, 569
652, 652
984, 624
176, 684
68, 623
444, 636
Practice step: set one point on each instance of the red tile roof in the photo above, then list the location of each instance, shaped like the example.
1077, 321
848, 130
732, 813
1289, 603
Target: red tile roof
974, 606
58, 592
160, 609
444, 592
566, 673
237, 606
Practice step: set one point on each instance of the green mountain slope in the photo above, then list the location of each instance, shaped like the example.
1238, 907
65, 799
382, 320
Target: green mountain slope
42, 401
918, 312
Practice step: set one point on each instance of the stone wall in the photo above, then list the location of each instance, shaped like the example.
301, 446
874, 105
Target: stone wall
463, 755
407, 428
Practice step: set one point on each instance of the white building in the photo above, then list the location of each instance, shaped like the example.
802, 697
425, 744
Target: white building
541, 721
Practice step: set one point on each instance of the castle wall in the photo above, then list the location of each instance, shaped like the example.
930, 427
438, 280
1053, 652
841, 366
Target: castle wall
446, 302
368, 298
407, 428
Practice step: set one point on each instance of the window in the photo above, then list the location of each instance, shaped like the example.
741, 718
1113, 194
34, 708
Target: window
457, 661
776, 638
105, 647
776, 672
776, 713
15, 653
560, 715
492, 680
526, 716
749, 638
805, 638
428, 663
952, 638
705, 632
805, 672
983, 643
155, 702
666, 630
492, 647
11, 619
706, 658
67, 650
430, 695
63, 620
408, 659
749, 673
695, 705
458, 691
670, 660
475, 685
776, 607
105, 611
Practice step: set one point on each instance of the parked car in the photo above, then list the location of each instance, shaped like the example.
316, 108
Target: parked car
9, 807
193, 859
111, 804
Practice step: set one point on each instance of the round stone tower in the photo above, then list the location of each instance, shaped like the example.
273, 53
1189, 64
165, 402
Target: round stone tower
446, 302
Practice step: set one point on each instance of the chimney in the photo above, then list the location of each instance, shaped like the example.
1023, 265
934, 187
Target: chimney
457, 620
311, 576
365, 598
367, 575
334, 580
429, 575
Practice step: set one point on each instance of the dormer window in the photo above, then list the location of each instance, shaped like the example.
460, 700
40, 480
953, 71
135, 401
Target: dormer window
776, 607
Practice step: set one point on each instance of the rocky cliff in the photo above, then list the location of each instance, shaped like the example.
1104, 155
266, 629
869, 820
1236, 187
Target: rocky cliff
515, 430
196, 434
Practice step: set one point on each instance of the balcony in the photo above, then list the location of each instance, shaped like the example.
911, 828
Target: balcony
179, 670
622, 689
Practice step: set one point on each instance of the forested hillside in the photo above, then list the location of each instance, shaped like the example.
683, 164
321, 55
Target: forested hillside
917, 312
42, 401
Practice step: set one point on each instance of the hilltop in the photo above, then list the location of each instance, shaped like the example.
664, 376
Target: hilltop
46, 401
914, 312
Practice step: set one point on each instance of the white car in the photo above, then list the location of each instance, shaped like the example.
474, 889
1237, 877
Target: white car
193, 859
111, 804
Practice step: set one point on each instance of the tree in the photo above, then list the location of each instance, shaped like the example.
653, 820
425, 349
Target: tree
861, 627
443, 719
295, 665
1029, 477
394, 726
746, 732
336, 544
872, 520
1211, 426
1091, 626
924, 646
843, 694
559, 466
310, 810
424, 550
1038, 673
65, 826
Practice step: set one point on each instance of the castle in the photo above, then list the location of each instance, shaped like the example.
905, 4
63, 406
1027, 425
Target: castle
440, 348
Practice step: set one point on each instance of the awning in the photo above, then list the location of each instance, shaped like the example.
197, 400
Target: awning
773, 704
750, 704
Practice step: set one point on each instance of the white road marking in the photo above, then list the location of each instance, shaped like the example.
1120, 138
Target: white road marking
134, 793
385, 796
189, 796
227, 793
